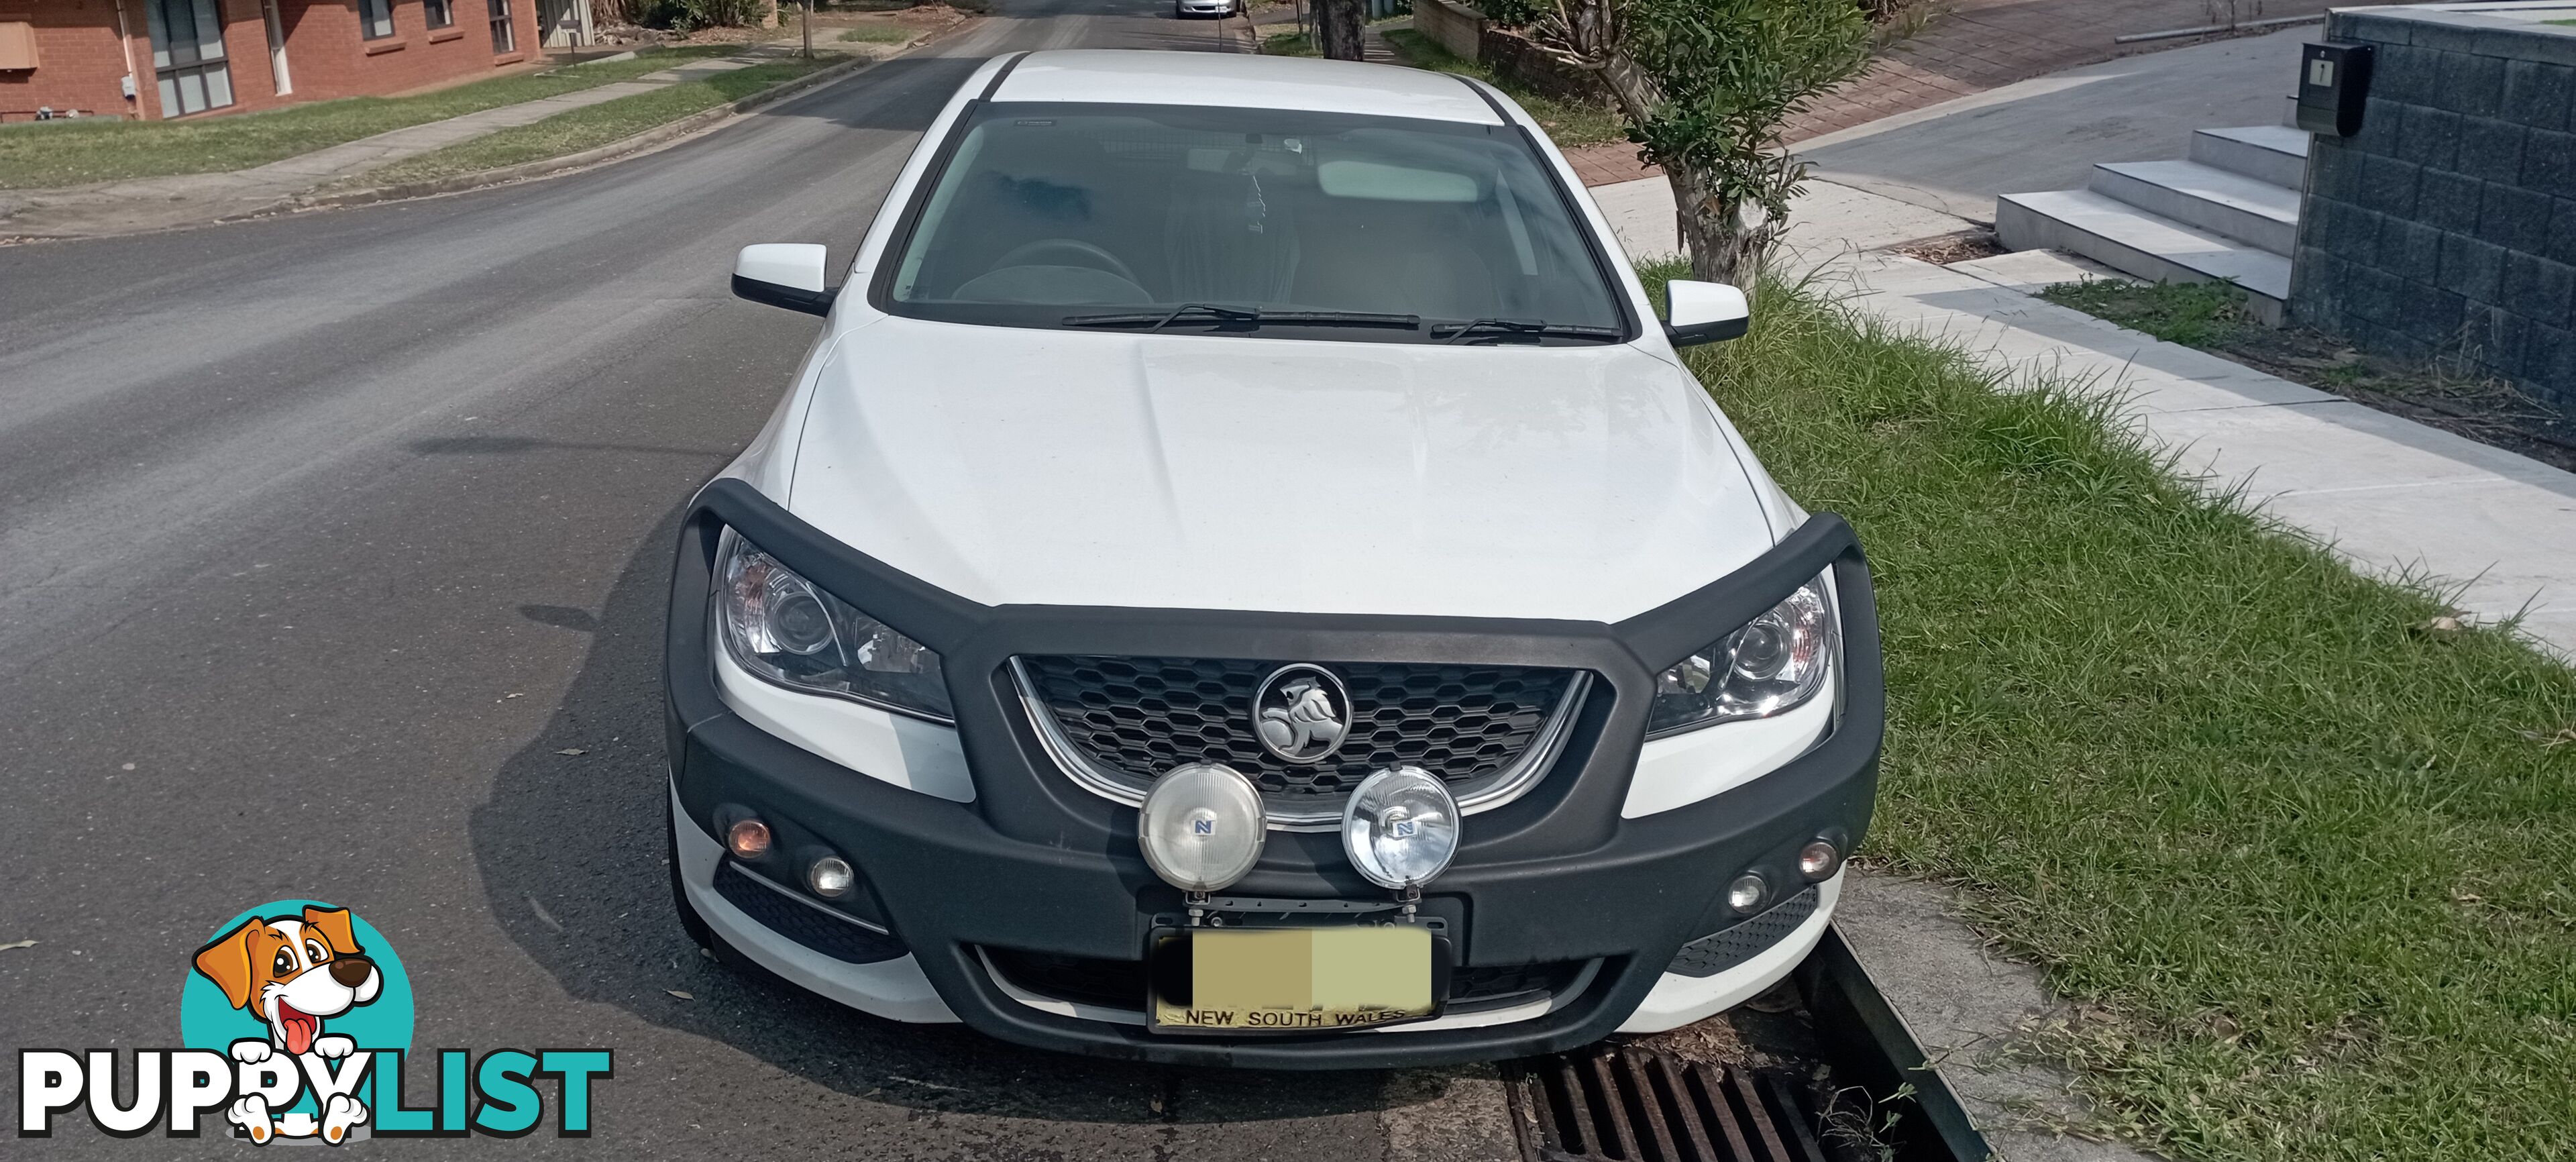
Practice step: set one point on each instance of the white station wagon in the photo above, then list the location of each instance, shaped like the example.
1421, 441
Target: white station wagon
1243, 578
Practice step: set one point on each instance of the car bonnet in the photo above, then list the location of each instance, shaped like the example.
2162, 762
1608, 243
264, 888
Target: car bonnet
1033, 466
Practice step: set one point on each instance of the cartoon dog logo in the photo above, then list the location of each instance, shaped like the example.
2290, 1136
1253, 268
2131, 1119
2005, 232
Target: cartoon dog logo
293, 973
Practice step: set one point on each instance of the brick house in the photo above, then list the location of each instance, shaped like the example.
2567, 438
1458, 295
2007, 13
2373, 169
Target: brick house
152, 59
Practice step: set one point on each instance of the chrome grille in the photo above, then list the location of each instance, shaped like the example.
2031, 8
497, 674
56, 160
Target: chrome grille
1123, 721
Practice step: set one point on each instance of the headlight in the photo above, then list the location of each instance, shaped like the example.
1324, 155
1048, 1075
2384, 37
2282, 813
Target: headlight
1777, 661
784, 630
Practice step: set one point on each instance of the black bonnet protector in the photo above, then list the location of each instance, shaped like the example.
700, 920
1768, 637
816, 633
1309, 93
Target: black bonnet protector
1020, 793
1036, 862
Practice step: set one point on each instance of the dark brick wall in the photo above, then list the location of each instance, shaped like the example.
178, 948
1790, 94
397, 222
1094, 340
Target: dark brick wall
2448, 224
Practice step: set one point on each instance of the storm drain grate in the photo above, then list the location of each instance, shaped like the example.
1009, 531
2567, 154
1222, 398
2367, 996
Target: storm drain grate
1635, 1106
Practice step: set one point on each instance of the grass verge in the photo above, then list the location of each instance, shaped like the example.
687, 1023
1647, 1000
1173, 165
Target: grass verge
1289, 44
2196, 314
2301, 863
591, 126
877, 34
1569, 123
77, 152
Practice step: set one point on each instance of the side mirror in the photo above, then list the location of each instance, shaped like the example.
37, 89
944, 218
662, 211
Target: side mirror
783, 274
1702, 312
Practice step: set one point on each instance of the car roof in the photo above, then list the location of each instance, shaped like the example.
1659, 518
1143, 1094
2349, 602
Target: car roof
1147, 77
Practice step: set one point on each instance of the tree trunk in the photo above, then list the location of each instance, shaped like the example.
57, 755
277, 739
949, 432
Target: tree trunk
1337, 28
1724, 246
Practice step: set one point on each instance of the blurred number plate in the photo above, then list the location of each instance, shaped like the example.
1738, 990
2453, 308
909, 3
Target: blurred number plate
1299, 978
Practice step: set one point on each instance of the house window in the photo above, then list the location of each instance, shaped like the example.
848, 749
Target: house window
503, 39
188, 56
441, 13
375, 19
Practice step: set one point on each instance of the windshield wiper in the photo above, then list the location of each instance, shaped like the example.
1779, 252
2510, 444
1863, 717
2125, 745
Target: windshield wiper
1221, 313
1535, 328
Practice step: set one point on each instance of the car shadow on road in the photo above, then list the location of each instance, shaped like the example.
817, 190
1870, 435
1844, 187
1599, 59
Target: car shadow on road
570, 849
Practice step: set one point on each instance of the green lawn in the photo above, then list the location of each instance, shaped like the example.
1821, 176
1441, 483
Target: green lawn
2198, 314
1569, 124
2303, 860
594, 125
877, 34
77, 152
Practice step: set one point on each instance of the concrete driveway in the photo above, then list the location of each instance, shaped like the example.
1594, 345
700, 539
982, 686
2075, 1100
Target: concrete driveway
2046, 133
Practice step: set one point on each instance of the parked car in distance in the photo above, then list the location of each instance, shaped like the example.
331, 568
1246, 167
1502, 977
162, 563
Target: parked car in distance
1244, 578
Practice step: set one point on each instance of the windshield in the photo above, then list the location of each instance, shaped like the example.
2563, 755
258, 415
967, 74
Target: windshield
1247, 221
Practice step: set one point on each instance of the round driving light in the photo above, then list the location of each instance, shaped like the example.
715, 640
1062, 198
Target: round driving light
1819, 860
1201, 826
830, 877
1746, 894
748, 838
1400, 827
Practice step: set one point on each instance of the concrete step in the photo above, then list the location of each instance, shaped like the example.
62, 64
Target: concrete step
2212, 199
2147, 245
2266, 153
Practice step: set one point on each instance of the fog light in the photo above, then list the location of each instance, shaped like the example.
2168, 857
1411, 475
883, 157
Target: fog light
748, 838
1400, 827
1746, 894
1201, 826
830, 877
1819, 860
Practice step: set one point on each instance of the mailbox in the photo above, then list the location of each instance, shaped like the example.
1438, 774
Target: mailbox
2334, 79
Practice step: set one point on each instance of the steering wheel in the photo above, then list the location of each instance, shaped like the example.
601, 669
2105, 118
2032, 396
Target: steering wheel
1035, 254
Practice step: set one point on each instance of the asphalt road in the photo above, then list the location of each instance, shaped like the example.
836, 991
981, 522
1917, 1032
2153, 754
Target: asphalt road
326, 539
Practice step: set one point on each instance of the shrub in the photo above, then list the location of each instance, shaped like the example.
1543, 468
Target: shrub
684, 15
1705, 86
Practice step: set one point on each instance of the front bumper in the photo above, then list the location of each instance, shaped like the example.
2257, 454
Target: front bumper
1037, 865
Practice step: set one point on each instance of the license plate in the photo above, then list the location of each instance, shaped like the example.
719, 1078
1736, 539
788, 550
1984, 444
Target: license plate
1291, 979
